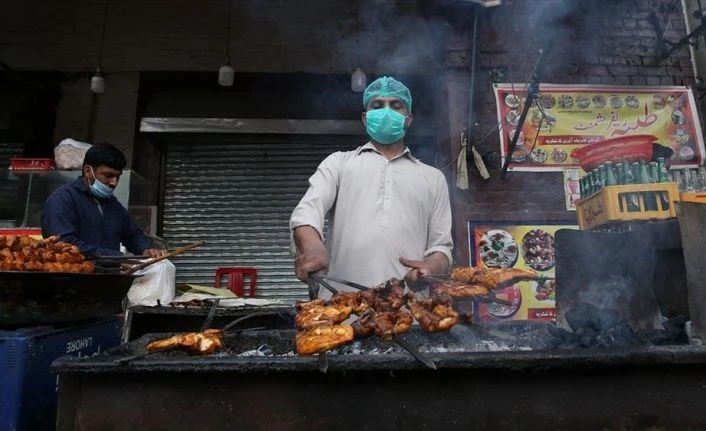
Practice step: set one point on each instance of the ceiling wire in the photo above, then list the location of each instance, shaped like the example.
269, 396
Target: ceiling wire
102, 44
230, 7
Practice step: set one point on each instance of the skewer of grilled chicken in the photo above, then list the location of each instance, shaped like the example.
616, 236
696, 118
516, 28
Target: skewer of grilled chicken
458, 290
384, 324
310, 316
322, 337
434, 314
202, 343
492, 278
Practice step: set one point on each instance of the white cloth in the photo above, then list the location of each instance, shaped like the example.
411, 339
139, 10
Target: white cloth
384, 210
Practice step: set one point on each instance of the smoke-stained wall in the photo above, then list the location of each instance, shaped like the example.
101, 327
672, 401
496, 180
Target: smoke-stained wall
593, 42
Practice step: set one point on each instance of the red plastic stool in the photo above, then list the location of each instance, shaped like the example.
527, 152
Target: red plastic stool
236, 283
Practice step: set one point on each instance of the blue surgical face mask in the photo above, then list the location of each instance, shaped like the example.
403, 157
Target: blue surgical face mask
385, 126
98, 189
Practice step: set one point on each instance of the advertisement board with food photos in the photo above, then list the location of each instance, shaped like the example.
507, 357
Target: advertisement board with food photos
517, 245
565, 118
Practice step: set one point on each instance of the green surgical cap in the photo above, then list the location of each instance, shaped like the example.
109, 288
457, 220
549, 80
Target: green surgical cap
387, 87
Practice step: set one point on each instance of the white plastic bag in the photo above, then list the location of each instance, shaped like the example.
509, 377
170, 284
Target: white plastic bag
157, 282
69, 154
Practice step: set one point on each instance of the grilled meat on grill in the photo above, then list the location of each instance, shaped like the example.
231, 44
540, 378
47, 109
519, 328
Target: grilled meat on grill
390, 295
358, 302
434, 314
321, 315
492, 278
202, 343
388, 323
384, 324
456, 289
24, 253
322, 337
365, 326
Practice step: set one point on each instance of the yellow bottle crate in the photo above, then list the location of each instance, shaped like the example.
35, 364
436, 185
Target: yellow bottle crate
698, 197
627, 203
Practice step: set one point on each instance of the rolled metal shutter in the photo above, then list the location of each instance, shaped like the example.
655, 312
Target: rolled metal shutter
237, 192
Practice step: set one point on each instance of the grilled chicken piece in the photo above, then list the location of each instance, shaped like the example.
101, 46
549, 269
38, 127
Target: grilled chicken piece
434, 314
502, 277
323, 337
492, 278
202, 343
310, 304
365, 325
388, 323
465, 274
390, 295
321, 315
456, 289
358, 302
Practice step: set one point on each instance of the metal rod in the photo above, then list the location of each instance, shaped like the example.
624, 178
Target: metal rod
472, 79
532, 93
324, 283
414, 352
240, 319
211, 314
348, 283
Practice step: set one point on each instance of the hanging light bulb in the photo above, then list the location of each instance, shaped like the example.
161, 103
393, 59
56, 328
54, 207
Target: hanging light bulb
97, 82
226, 75
358, 80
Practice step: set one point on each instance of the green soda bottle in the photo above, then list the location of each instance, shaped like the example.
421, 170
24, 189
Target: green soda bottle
610, 179
633, 199
648, 198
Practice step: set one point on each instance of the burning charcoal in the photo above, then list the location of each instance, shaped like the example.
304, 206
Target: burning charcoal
673, 333
263, 350
582, 316
599, 327
355, 348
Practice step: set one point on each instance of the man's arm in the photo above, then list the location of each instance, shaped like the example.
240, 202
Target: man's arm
307, 221
312, 255
134, 239
59, 218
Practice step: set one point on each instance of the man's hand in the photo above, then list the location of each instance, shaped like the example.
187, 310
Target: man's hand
312, 260
415, 276
435, 263
312, 255
153, 252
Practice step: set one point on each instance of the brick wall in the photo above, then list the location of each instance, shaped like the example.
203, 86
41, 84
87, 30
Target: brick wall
596, 42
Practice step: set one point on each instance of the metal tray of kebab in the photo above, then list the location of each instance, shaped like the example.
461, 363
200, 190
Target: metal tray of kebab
50, 282
36, 298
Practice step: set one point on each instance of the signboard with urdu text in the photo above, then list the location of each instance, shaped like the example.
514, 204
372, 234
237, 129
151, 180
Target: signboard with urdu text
567, 117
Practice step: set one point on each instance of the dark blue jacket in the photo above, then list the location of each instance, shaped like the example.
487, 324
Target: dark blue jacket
72, 213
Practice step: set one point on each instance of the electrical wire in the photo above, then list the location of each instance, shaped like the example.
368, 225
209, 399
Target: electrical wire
503, 123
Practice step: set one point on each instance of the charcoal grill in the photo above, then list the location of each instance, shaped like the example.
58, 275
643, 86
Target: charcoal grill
366, 389
37, 298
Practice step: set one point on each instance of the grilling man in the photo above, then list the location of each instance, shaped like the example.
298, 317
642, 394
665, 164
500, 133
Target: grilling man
86, 213
389, 213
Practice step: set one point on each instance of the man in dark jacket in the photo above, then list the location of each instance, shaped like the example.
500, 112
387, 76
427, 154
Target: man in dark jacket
86, 213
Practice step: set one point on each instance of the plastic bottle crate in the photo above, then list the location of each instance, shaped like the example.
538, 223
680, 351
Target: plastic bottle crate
27, 385
697, 197
24, 164
611, 204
